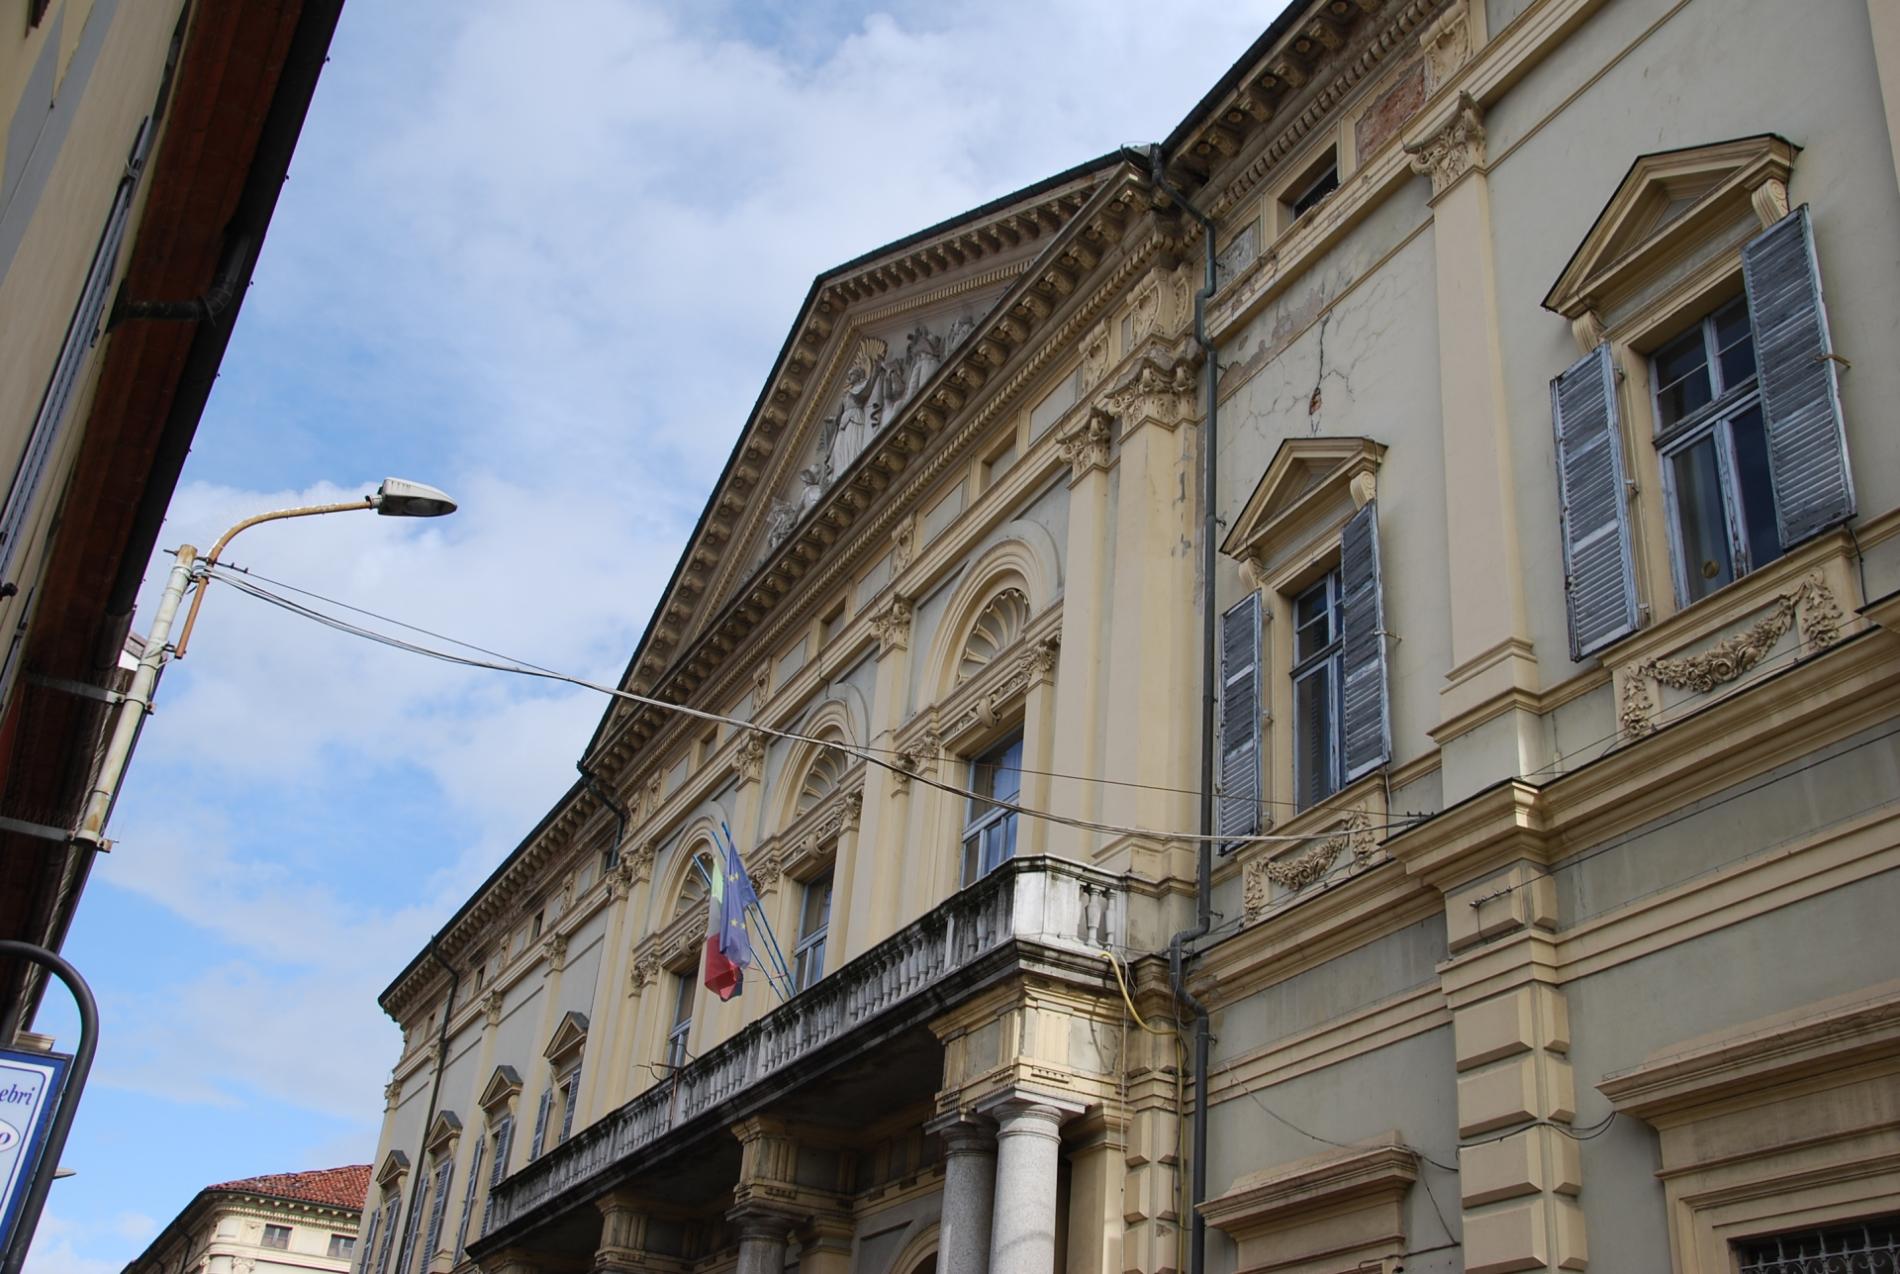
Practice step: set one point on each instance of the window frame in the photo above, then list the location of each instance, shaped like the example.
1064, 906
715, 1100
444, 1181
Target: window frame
281, 1231
684, 994
1329, 660
978, 824
347, 1242
1714, 422
814, 938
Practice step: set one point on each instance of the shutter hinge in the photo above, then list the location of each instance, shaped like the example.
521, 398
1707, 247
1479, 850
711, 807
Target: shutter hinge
1834, 358
1386, 632
1630, 488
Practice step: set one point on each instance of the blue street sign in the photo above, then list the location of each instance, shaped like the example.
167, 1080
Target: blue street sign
30, 1085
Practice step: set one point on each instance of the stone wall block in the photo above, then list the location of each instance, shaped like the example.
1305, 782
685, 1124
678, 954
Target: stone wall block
1497, 1097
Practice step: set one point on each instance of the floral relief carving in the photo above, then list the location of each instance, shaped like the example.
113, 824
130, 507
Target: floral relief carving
1454, 149
1143, 311
645, 971
1153, 396
1811, 604
1354, 836
903, 546
851, 809
1095, 357
639, 863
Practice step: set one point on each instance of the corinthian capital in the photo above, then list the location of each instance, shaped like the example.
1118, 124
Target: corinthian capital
1453, 149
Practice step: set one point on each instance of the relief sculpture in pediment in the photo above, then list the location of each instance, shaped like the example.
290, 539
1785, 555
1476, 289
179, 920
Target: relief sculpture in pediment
877, 385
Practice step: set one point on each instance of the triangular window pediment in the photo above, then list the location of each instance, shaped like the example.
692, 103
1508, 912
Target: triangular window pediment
1307, 481
445, 1129
502, 1085
1668, 202
569, 1036
394, 1168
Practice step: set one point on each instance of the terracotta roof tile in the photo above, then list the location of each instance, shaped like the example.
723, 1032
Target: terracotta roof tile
338, 1187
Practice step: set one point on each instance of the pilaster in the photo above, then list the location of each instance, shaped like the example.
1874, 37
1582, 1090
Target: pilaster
1153, 595
1097, 1154
604, 1013
1088, 562
864, 902
1520, 1171
625, 1246
1491, 655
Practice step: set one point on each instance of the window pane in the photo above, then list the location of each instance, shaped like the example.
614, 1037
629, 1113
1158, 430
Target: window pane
817, 911
682, 999
1735, 343
1314, 739
972, 865
1682, 377
1699, 519
1313, 621
1007, 771
1756, 487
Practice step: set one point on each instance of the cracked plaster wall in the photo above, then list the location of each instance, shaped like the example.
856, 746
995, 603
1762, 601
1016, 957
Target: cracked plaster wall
1351, 349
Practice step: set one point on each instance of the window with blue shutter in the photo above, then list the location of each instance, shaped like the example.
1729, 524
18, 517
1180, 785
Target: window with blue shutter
1239, 806
468, 1198
541, 1123
570, 1098
369, 1240
504, 1143
444, 1173
1800, 390
1365, 726
1599, 569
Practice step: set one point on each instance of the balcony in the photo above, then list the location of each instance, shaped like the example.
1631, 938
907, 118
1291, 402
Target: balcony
1038, 912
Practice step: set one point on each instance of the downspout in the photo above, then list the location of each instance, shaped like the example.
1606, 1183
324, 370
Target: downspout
1204, 870
435, 1095
619, 811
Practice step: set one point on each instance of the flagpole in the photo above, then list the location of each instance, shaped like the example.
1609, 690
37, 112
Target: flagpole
778, 955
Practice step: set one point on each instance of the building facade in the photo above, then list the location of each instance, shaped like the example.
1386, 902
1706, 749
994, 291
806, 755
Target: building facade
142, 146
281, 1223
1524, 462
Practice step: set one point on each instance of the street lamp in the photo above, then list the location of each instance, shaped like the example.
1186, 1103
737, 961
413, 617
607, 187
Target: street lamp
395, 498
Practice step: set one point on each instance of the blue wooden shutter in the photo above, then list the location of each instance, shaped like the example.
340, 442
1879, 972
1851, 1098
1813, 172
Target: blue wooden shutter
567, 1106
417, 1202
504, 1143
82, 331
1239, 812
368, 1251
1365, 724
541, 1123
468, 1197
443, 1175
1599, 570
390, 1212
1800, 392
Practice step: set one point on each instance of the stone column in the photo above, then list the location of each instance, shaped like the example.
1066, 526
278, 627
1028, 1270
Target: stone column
1028, 1154
1491, 654
762, 1245
623, 1230
969, 1183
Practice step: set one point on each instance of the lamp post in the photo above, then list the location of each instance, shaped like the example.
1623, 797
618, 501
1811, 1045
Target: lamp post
396, 498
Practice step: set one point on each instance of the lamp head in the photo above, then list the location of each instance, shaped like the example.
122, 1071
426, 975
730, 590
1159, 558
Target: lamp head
401, 498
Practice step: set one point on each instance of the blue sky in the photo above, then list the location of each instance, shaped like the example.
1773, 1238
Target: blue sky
542, 256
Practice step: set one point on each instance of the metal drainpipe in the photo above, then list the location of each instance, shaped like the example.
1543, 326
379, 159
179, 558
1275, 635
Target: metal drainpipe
619, 811
1203, 884
435, 1095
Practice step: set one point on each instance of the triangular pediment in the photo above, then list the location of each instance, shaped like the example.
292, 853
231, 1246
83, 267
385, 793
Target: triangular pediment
568, 1036
1305, 478
503, 1084
1668, 199
887, 350
446, 1127
394, 1167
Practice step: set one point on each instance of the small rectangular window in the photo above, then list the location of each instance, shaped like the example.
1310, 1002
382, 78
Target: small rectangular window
277, 1236
813, 926
989, 831
342, 1247
1319, 181
1869, 1247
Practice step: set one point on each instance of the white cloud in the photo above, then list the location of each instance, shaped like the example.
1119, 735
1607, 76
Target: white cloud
53, 1252
545, 264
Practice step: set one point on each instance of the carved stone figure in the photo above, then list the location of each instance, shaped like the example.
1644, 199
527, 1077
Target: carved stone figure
787, 514
923, 355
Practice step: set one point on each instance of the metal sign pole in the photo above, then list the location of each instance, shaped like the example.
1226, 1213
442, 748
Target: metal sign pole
68, 1102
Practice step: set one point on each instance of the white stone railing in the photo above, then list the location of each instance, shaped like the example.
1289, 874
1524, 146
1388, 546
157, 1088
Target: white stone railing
1046, 901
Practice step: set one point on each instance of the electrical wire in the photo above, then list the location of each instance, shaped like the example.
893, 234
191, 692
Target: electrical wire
1013, 769
503, 663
